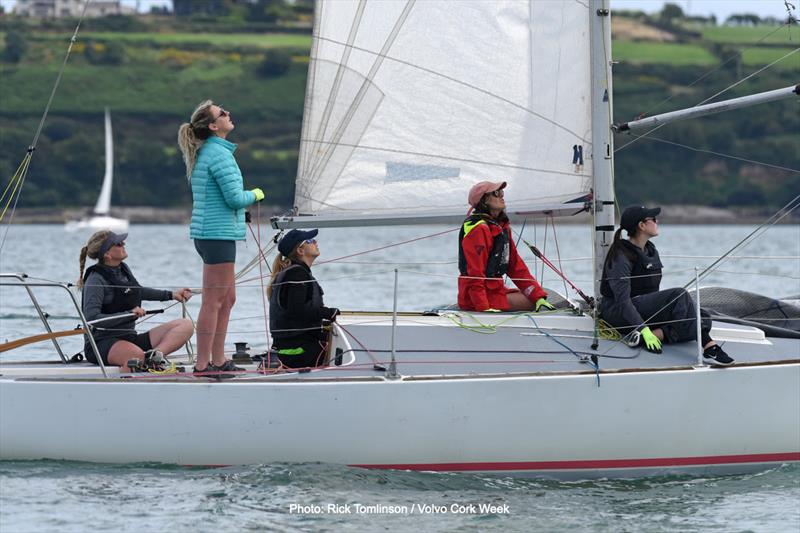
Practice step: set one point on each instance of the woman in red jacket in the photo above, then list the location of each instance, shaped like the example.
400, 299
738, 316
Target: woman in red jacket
486, 253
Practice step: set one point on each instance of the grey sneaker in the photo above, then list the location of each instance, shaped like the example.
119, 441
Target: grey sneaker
221, 370
716, 356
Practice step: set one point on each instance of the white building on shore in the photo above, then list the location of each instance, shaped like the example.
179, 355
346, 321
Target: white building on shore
70, 8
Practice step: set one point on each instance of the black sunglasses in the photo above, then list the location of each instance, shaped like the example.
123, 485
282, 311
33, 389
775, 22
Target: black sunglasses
222, 113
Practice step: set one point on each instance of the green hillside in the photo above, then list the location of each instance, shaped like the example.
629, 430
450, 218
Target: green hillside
152, 78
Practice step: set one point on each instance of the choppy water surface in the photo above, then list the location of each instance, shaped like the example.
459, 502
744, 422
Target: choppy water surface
62, 496
68, 496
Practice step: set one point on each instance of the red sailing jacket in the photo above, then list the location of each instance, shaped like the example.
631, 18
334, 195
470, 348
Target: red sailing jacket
481, 294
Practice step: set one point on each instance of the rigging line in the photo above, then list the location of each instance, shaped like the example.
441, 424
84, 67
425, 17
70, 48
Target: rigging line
751, 75
14, 178
369, 353
389, 246
591, 359
718, 67
32, 147
709, 98
558, 255
468, 85
342, 127
781, 213
18, 189
337, 81
72, 41
262, 259
719, 154
17, 180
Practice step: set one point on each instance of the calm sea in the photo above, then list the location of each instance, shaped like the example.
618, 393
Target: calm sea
65, 496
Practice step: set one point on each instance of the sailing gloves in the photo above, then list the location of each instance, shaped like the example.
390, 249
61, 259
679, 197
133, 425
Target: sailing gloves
541, 302
650, 341
259, 194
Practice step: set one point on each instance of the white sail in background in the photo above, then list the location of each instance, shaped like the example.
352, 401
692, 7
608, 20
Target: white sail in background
409, 103
100, 217
103, 205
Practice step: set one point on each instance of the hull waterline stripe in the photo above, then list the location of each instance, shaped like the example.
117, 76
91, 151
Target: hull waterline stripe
595, 464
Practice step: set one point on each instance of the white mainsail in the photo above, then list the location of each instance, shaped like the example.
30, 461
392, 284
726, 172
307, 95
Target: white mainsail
409, 103
103, 205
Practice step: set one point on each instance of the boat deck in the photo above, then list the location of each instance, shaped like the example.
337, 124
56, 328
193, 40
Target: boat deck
463, 345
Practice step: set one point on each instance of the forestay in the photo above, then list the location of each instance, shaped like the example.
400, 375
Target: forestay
409, 103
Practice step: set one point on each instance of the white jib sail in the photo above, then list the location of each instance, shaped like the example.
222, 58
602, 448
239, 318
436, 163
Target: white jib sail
409, 103
104, 200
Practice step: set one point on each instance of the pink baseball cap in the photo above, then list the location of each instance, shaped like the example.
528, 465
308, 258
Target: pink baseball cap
479, 189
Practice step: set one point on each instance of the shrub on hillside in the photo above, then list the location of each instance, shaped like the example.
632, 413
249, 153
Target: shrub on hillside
16, 46
276, 63
108, 53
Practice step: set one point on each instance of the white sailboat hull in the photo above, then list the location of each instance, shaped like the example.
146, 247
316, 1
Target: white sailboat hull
563, 426
117, 225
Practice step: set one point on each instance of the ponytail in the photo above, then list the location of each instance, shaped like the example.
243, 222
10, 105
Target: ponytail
280, 264
92, 250
192, 134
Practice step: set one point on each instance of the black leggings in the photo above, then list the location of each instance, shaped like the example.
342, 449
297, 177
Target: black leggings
672, 310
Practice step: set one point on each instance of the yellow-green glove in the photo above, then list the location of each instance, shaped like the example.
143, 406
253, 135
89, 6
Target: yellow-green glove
541, 302
651, 342
259, 194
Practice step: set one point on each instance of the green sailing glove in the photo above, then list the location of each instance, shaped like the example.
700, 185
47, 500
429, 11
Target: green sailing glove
259, 194
651, 342
541, 302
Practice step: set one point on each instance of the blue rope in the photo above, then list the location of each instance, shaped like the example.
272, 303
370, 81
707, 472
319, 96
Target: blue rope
590, 361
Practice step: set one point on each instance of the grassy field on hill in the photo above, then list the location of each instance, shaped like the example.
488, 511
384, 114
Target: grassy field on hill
160, 76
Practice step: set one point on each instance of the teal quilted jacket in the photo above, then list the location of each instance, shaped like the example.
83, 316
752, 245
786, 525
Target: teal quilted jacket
218, 195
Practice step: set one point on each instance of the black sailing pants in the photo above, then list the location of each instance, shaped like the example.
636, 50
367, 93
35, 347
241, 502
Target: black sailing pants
672, 310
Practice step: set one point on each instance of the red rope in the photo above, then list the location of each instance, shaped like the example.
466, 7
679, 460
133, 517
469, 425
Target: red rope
261, 277
387, 246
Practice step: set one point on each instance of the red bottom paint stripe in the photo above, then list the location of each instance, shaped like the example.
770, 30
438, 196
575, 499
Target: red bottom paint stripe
598, 464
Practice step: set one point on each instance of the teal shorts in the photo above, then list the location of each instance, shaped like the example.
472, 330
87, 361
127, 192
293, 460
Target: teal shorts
215, 252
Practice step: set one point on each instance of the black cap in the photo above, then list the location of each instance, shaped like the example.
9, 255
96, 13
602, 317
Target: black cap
111, 240
291, 240
635, 214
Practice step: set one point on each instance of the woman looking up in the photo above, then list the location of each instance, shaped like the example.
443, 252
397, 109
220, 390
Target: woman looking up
296, 308
218, 221
631, 299
486, 253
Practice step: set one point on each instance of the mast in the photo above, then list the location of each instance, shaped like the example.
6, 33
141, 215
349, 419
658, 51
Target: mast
602, 140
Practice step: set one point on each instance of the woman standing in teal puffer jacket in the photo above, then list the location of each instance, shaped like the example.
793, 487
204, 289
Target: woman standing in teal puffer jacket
218, 221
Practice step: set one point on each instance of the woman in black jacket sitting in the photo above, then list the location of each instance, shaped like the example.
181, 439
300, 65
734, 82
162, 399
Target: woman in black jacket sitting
631, 296
296, 309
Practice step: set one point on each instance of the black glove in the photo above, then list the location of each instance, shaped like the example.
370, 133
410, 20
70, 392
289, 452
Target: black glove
247, 218
334, 313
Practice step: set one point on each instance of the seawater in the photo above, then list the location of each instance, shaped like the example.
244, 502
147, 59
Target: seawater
69, 496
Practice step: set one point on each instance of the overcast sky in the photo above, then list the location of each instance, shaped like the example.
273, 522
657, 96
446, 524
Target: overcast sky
721, 8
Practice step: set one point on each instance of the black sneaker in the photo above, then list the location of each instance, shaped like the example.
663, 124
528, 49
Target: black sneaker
207, 372
716, 356
227, 366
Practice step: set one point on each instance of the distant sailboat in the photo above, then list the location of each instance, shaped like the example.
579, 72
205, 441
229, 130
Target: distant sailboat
100, 218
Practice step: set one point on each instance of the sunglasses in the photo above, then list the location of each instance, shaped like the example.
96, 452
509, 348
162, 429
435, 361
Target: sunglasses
120, 244
654, 219
499, 193
222, 113
311, 241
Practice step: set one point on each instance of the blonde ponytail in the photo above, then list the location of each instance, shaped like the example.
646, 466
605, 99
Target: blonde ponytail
92, 249
192, 134
280, 264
